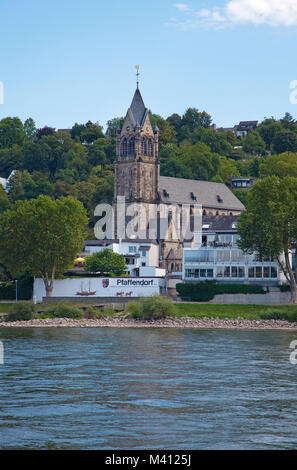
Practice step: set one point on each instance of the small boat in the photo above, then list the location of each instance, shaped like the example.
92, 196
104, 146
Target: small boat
86, 293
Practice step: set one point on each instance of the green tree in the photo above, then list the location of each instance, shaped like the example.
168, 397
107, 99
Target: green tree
87, 133
175, 121
100, 153
253, 143
288, 122
42, 237
281, 165
227, 170
216, 141
77, 130
285, 141
254, 167
106, 262
194, 118
11, 159
112, 127
23, 185
269, 225
62, 188
242, 195
30, 128
167, 132
4, 200
175, 168
104, 191
36, 156
268, 129
11, 132
203, 164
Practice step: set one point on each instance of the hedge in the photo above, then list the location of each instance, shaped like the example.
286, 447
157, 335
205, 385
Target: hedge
205, 291
25, 289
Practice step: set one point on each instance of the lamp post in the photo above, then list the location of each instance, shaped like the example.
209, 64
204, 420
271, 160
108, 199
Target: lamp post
16, 290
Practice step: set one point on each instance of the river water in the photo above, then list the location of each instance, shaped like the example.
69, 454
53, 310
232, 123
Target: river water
76, 388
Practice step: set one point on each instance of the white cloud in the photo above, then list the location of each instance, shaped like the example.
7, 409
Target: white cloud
269, 12
182, 7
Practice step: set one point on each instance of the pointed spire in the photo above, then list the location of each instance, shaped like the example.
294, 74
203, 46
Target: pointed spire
138, 108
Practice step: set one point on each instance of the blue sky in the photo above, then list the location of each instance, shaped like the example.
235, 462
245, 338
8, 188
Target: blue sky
70, 61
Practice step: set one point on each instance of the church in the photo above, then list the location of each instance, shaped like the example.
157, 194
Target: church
138, 180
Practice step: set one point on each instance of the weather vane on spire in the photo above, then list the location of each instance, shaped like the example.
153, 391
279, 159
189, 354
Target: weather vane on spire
137, 74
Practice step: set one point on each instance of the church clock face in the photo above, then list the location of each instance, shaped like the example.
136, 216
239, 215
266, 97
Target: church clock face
128, 128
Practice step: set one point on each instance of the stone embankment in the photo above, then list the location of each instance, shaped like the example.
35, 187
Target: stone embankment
185, 322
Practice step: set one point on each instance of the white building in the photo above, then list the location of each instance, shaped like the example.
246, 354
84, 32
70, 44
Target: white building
141, 256
214, 254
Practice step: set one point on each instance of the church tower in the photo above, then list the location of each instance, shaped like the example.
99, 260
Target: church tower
137, 167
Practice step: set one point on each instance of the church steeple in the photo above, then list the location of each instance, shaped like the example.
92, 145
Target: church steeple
137, 163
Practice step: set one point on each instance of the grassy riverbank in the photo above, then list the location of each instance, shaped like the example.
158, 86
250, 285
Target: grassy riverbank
251, 312
180, 310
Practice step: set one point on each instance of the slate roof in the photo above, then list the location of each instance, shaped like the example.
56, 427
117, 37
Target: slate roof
219, 223
137, 110
208, 194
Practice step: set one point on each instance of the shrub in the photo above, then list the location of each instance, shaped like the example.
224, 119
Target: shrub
21, 311
205, 291
151, 308
275, 314
64, 310
133, 308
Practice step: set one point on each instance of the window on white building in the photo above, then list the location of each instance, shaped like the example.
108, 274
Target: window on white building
251, 272
273, 272
199, 273
241, 271
227, 271
219, 271
237, 255
223, 255
234, 271
259, 272
266, 271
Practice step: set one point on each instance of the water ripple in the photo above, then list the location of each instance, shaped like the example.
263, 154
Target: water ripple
147, 389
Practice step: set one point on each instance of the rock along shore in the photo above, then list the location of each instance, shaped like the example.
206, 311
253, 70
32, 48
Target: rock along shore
185, 322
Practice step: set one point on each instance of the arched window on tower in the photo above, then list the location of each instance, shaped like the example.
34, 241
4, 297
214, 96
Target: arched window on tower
124, 148
144, 146
131, 147
150, 148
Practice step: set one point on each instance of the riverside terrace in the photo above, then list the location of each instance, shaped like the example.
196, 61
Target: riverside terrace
214, 254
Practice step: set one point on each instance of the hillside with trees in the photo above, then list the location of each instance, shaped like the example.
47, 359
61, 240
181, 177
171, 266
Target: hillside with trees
79, 162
